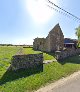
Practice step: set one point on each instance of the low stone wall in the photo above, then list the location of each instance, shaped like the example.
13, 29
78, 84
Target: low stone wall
66, 53
26, 61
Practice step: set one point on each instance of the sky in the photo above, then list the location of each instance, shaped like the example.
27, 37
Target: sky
23, 20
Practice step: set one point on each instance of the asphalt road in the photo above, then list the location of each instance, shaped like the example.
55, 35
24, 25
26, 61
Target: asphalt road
68, 84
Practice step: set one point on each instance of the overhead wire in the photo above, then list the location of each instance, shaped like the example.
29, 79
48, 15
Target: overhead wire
62, 11
58, 11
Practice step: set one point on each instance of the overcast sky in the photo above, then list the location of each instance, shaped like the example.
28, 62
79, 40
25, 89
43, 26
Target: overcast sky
23, 20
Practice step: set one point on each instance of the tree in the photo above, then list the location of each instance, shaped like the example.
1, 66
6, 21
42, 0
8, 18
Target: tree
78, 35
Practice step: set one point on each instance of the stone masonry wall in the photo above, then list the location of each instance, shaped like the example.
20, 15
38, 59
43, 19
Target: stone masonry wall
67, 53
39, 43
54, 41
26, 61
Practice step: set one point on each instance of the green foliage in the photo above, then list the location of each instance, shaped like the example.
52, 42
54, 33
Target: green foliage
78, 35
78, 31
29, 80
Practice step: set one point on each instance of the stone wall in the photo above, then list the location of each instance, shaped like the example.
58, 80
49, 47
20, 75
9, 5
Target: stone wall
54, 41
26, 61
68, 52
39, 44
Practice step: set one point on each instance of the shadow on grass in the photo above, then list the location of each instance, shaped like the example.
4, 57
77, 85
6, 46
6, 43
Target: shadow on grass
73, 59
50, 53
13, 75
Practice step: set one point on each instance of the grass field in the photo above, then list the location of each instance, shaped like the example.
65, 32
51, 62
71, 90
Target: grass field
47, 56
27, 81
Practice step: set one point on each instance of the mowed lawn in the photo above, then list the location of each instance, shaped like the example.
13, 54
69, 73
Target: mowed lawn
47, 56
27, 81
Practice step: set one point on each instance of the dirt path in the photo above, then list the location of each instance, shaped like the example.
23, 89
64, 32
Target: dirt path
55, 87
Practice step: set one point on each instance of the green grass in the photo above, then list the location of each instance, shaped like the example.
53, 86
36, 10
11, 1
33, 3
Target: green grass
47, 56
79, 46
29, 80
6, 54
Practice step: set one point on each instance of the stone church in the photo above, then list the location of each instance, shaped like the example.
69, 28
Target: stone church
54, 41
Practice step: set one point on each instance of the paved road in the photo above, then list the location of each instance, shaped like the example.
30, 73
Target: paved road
68, 84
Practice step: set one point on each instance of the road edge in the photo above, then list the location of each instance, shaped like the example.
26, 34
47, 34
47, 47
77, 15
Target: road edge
60, 82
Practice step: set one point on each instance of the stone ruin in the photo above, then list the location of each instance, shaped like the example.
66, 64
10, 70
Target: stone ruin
54, 41
68, 52
30, 61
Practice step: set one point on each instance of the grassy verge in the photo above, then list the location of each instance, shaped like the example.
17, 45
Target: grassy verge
47, 56
29, 80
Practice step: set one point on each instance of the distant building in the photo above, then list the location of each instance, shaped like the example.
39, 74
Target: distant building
69, 43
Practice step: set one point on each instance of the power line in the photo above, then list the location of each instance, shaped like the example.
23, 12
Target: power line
62, 13
58, 11
66, 12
